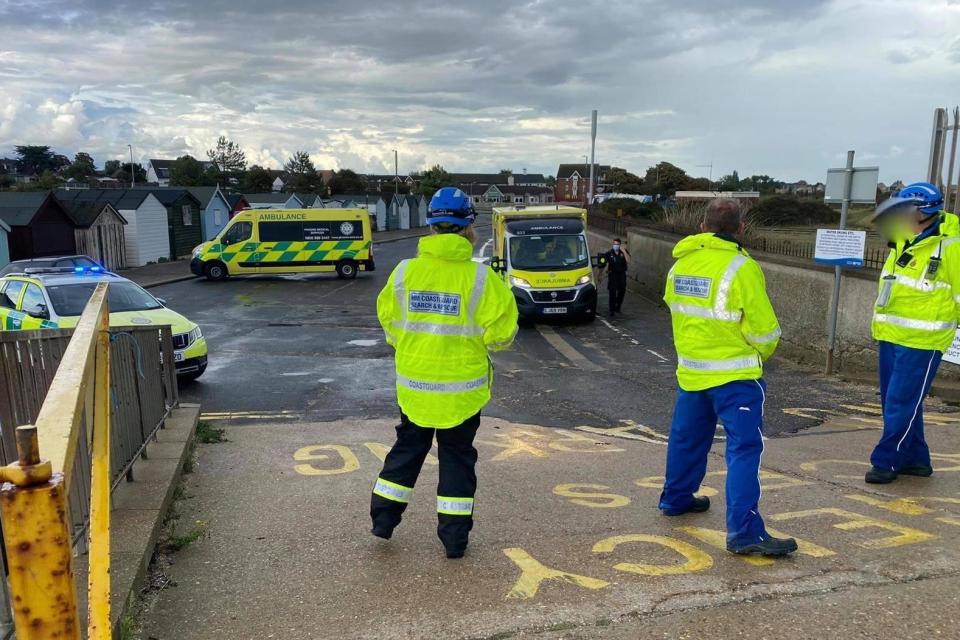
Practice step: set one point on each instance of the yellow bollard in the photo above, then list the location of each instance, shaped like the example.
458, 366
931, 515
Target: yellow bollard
33, 503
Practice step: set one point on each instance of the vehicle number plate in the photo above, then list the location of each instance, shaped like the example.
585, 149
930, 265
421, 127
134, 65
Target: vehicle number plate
555, 310
177, 356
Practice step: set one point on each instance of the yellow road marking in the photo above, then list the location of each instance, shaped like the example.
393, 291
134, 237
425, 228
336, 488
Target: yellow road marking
313, 453
694, 559
566, 349
592, 497
853, 521
533, 574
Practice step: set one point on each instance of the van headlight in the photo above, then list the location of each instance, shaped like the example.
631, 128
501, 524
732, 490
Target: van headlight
197, 251
585, 280
519, 282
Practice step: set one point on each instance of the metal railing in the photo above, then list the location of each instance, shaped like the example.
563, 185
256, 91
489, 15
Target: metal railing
67, 387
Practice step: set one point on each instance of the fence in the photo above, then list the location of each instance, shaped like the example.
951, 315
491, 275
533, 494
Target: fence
58, 380
803, 246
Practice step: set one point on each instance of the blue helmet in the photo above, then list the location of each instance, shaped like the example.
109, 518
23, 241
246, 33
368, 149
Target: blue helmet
928, 198
452, 206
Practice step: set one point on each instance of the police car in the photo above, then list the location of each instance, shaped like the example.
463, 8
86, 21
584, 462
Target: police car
52, 298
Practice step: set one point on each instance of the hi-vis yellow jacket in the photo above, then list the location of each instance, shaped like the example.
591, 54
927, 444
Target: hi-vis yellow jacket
923, 302
724, 326
442, 312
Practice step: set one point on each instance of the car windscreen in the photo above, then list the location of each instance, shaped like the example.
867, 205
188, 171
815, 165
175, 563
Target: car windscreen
548, 252
70, 299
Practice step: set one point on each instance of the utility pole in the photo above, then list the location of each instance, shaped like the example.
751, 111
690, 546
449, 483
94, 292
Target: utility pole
396, 174
710, 179
954, 128
593, 148
133, 176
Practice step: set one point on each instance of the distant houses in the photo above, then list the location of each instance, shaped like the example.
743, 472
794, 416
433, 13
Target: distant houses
273, 201
158, 170
573, 181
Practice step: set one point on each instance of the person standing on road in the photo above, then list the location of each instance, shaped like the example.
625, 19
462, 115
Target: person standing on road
443, 313
914, 321
724, 327
618, 263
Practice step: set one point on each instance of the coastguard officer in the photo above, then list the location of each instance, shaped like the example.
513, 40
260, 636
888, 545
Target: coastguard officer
724, 327
443, 313
914, 321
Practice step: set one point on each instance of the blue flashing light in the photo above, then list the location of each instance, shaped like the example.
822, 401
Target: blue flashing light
94, 269
78, 269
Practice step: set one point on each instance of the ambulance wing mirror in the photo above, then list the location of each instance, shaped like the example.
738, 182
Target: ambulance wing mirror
497, 264
599, 261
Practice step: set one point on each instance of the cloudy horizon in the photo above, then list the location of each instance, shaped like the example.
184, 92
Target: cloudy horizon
771, 87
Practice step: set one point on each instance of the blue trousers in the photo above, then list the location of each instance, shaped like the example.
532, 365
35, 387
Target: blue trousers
905, 378
739, 405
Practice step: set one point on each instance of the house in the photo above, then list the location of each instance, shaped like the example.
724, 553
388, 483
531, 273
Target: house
509, 179
273, 200
527, 194
183, 219
237, 203
146, 235
381, 181
10, 169
309, 200
279, 179
39, 225
214, 210
573, 181
158, 171
100, 229
4, 244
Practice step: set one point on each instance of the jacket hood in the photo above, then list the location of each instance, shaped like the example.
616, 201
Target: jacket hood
446, 246
950, 224
703, 241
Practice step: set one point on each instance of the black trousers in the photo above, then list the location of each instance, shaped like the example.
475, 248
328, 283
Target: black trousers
617, 286
458, 478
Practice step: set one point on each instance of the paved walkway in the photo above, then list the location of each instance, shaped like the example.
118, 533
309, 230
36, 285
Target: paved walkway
568, 542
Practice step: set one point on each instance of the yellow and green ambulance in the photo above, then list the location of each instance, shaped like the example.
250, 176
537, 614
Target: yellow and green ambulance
263, 241
543, 254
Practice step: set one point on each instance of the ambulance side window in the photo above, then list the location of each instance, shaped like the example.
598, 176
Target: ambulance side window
239, 232
10, 294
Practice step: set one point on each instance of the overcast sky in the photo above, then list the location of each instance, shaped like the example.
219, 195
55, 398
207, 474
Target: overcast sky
782, 87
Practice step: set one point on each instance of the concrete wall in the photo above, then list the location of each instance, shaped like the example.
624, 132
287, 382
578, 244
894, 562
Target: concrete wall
800, 293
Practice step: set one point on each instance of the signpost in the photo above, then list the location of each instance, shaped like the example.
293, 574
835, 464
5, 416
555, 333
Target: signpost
837, 246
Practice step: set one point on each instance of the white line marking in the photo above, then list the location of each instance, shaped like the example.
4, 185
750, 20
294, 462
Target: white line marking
566, 349
658, 355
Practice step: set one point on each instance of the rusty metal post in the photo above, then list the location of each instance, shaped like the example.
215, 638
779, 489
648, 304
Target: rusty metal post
33, 504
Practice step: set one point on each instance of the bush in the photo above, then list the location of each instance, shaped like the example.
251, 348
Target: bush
778, 211
631, 208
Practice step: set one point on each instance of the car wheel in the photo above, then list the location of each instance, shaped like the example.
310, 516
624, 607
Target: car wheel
347, 269
215, 271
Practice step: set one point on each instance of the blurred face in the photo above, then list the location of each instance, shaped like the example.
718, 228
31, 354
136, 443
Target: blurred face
899, 226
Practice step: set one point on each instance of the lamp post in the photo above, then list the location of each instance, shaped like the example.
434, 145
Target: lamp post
133, 177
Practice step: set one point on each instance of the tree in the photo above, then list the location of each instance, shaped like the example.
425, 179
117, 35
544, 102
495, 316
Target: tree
346, 181
227, 156
82, 167
47, 180
432, 179
506, 172
302, 173
665, 179
187, 171
111, 167
551, 181
35, 159
123, 173
730, 182
257, 180
622, 181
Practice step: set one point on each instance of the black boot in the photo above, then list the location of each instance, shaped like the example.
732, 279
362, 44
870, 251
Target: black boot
919, 470
769, 546
699, 505
876, 475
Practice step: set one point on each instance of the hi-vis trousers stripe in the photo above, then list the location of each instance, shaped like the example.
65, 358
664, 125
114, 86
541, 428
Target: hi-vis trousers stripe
392, 491
455, 506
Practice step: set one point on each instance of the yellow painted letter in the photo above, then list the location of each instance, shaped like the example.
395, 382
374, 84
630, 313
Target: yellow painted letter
533, 573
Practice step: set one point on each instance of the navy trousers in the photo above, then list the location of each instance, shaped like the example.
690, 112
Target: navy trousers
739, 406
905, 378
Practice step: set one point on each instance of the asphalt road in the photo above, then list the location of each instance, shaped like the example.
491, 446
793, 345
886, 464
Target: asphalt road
310, 348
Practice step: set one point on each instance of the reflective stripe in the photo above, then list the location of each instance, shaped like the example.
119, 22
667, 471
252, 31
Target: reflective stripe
911, 323
392, 491
764, 339
442, 387
720, 365
479, 282
956, 299
439, 329
455, 506
505, 343
921, 285
723, 290
398, 289
705, 312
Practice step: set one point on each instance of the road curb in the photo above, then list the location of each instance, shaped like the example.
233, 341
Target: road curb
160, 283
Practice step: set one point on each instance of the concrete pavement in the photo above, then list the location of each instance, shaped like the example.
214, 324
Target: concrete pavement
568, 539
